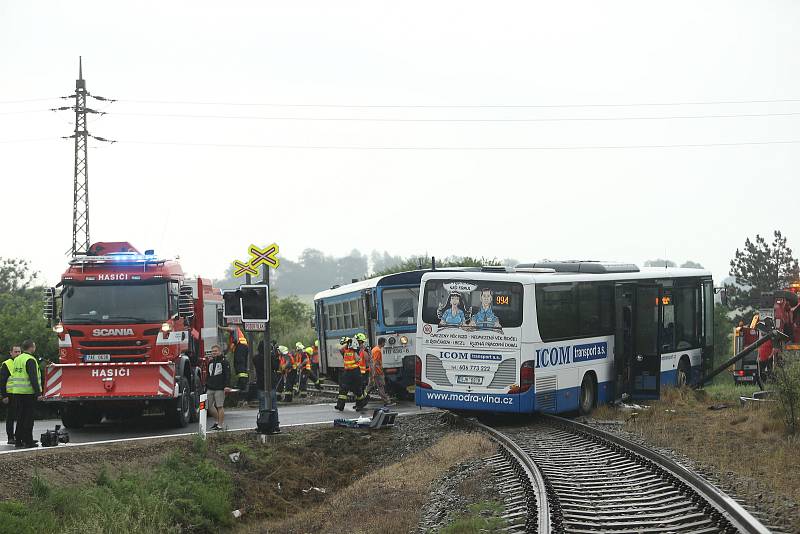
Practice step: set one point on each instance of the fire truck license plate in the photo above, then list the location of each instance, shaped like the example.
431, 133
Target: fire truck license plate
465, 379
94, 358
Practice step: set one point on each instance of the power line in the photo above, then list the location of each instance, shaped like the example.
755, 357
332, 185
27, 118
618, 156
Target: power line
20, 112
37, 140
463, 148
28, 100
387, 119
461, 106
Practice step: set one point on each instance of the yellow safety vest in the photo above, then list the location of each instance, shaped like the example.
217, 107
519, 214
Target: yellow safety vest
19, 383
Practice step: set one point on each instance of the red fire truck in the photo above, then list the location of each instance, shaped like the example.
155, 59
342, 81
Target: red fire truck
782, 307
133, 334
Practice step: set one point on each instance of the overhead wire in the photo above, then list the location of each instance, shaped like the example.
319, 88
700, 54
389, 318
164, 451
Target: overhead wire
461, 148
461, 106
459, 120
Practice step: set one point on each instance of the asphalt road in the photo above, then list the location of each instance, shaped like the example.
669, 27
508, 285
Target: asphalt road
235, 419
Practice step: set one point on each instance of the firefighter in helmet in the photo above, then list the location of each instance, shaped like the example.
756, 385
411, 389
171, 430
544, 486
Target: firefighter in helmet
305, 370
283, 361
350, 380
315, 365
297, 361
364, 359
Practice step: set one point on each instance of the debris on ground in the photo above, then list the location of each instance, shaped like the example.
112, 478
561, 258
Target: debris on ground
314, 488
717, 406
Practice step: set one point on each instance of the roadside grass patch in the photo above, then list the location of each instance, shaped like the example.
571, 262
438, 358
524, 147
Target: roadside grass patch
481, 517
183, 493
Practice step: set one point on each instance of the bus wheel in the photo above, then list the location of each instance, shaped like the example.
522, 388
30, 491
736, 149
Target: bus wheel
588, 395
683, 373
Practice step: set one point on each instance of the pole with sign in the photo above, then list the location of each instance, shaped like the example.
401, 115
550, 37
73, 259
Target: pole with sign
255, 317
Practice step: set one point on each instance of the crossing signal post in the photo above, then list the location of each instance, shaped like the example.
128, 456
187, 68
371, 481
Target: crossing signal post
254, 313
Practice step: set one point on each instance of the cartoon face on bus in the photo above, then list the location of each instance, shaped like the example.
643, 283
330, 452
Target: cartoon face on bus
452, 312
485, 317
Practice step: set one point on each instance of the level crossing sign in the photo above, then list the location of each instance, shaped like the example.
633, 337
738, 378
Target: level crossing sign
241, 268
267, 256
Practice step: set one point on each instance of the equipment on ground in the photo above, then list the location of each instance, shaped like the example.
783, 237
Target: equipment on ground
52, 438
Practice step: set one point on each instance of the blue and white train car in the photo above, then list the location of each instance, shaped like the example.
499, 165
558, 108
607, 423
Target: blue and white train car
560, 336
384, 306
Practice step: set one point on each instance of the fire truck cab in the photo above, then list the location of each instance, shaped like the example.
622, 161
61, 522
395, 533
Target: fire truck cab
133, 334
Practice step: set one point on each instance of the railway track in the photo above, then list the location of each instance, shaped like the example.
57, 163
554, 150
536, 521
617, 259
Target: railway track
563, 476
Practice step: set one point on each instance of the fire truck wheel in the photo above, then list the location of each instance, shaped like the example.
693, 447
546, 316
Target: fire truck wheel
93, 417
179, 410
72, 417
194, 405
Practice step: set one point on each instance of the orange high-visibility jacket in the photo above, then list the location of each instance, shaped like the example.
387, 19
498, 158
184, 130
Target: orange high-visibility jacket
315, 355
362, 360
350, 359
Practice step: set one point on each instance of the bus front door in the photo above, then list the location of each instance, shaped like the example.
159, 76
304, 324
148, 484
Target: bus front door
623, 338
646, 361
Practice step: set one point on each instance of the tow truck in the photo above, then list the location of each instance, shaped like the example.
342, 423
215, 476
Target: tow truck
782, 307
134, 334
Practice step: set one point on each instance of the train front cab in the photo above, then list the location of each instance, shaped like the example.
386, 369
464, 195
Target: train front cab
664, 334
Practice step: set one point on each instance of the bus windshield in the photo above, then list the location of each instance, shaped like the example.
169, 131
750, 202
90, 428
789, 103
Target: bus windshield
400, 306
483, 305
114, 303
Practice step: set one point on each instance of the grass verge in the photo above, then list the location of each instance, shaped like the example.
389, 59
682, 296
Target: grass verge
182, 493
387, 500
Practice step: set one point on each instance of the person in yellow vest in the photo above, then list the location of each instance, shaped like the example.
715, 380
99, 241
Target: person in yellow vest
350, 379
7, 366
25, 384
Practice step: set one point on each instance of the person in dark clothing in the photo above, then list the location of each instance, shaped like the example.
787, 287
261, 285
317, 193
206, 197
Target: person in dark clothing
238, 347
219, 374
6, 366
24, 383
258, 362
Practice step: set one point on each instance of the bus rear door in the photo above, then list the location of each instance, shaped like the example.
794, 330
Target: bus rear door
636, 353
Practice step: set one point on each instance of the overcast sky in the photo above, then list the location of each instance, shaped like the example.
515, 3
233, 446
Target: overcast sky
482, 183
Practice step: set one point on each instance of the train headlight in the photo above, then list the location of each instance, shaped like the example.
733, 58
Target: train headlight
404, 340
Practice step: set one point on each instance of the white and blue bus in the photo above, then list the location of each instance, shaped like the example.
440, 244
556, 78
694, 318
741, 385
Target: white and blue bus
560, 336
384, 306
